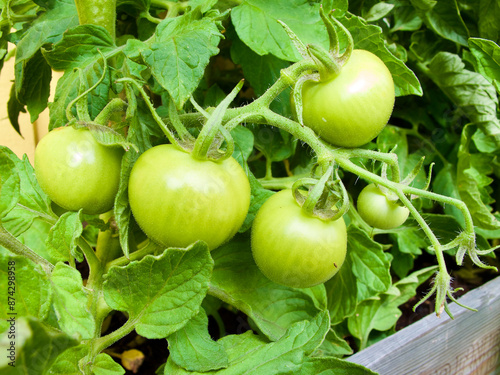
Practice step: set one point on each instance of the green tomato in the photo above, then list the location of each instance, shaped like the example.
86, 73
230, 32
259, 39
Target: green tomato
378, 211
177, 199
353, 107
293, 248
76, 171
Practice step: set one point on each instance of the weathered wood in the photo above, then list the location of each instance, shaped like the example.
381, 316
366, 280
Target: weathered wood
469, 344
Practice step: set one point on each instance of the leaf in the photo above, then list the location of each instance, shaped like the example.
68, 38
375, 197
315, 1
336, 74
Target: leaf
333, 346
471, 182
161, 293
378, 11
193, 349
444, 18
10, 183
37, 349
14, 109
370, 264
31, 294
67, 363
382, 313
243, 144
256, 23
180, 51
489, 14
79, 46
105, 365
370, 38
70, 302
61, 242
274, 308
487, 54
248, 353
333, 366
468, 90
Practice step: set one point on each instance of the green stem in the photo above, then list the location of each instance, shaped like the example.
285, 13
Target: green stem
280, 183
150, 248
15, 246
99, 13
115, 105
98, 345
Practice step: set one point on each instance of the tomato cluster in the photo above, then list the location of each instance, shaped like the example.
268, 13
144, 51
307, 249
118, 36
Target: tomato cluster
178, 198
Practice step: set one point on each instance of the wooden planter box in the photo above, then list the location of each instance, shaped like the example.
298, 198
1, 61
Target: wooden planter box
469, 344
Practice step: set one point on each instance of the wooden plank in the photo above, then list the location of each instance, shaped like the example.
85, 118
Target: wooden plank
469, 344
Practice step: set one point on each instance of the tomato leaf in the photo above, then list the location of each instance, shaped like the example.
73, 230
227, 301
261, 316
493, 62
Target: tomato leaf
237, 280
31, 287
489, 13
79, 46
161, 293
469, 90
70, 302
10, 182
180, 51
247, 352
37, 348
193, 349
487, 55
382, 313
61, 242
105, 365
300, 15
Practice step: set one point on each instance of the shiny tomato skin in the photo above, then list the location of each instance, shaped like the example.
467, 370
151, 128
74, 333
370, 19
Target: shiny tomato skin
378, 211
353, 107
177, 199
293, 248
76, 171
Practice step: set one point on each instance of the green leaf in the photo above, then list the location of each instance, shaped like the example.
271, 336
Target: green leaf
10, 182
31, 293
489, 14
193, 349
33, 84
180, 51
78, 47
248, 353
161, 293
370, 38
382, 313
70, 302
61, 242
14, 109
445, 20
274, 308
37, 348
471, 180
468, 90
256, 23
67, 363
370, 264
487, 54
331, 366
341, 291
243, 144
333, 346
378, 11
105, 365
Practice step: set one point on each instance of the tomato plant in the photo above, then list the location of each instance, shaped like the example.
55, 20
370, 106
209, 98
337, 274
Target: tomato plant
378, 210
77, 172
293, 248
177, 199
351, 108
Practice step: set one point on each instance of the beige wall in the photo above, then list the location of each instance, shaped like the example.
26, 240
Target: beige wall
31, 133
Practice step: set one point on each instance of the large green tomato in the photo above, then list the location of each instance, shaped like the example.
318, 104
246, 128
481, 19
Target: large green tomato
293, 248
177, 199
378, 211
76, 171
352, 108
